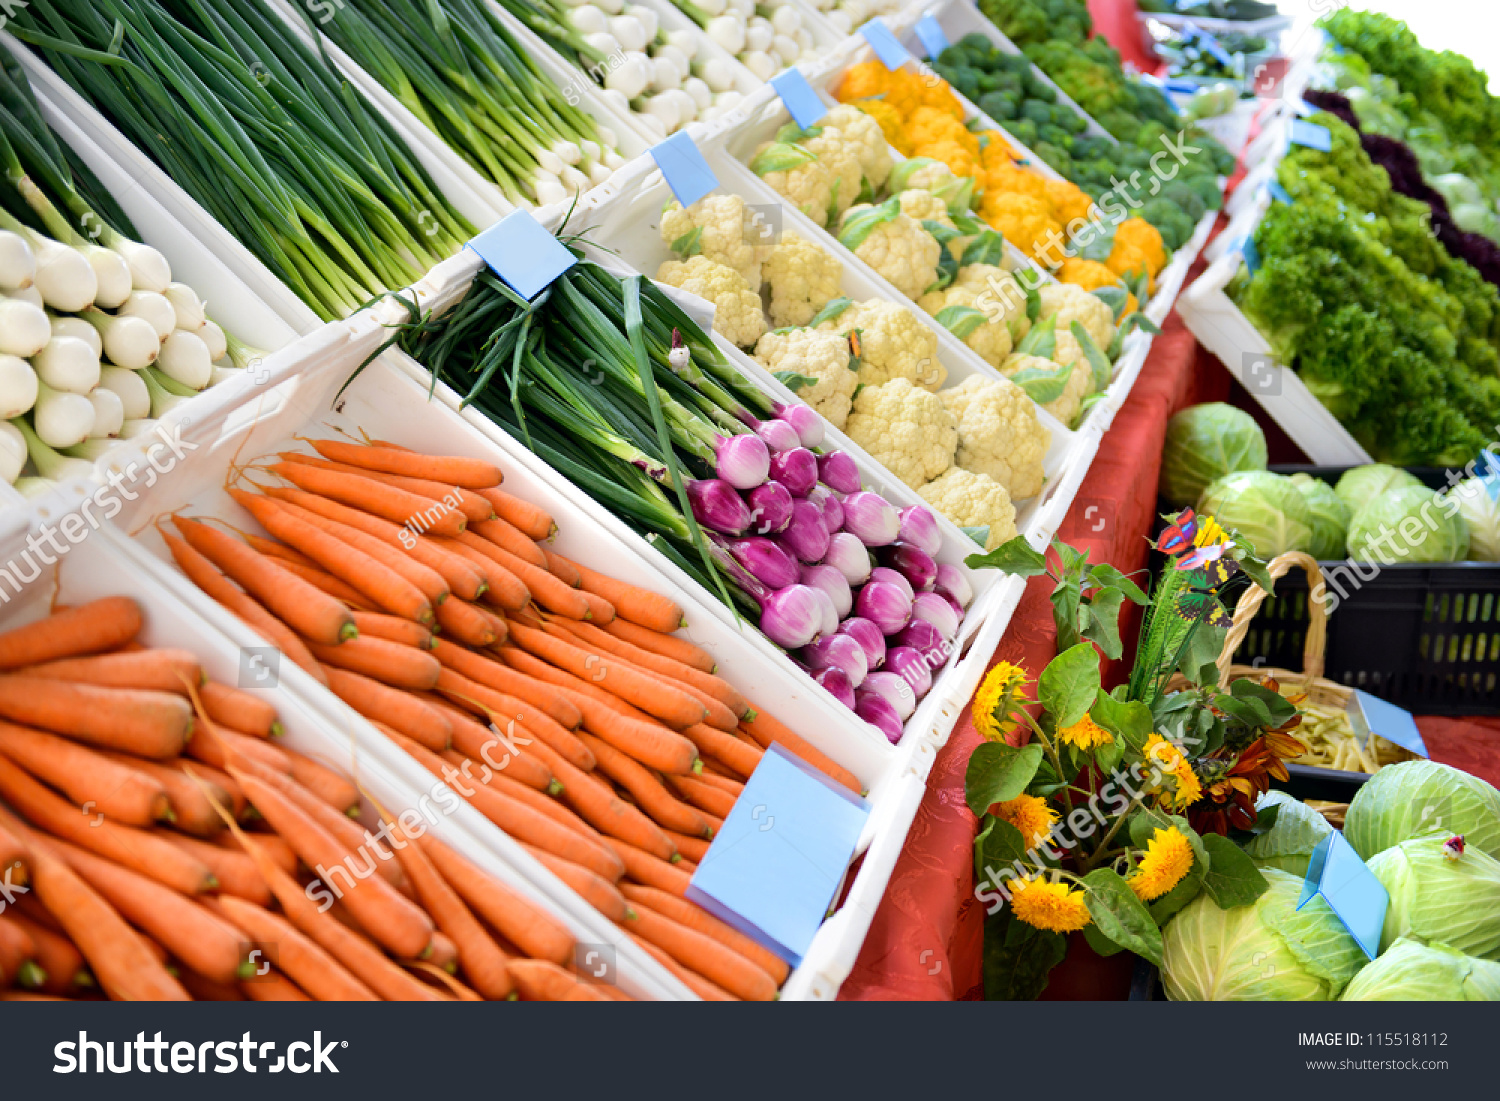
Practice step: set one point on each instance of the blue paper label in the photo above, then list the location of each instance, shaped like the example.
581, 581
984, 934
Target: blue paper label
1251, 254
892, 54
802, 102
523, 253
1278, 192
683, 167
1311, 135
931, 34
1392, 723
1349, 887
1303, 108
1488, 469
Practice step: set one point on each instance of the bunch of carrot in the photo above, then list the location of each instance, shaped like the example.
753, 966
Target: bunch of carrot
431, 602
152, 833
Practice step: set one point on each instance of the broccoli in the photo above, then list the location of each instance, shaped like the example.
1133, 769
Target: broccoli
1185, 199
1023, 130
1039, 114
1000, 106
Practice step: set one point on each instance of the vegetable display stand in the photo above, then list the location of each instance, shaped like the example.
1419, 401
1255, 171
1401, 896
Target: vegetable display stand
1270, 27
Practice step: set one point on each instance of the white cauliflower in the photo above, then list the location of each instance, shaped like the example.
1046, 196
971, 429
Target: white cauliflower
820, 356
924, 205
905, 429
804, 277
998, 295
892, 344
998, 434
973, 501
1080, 383
1069, 303
863, 134
737, 314
894, 244
831, 147
798, 176
968, 321
722, 228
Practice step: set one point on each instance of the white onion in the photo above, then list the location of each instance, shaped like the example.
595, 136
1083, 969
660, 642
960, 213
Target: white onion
615, 98
840, 21
572, 179
17, 264
149, 270
728, 101
128, 341
786, 49
759, 34
746, 8
687, 106
143, 426
27, 294
24, 328
64, 325
628, 29
631, 76
613, 160
12, 452
111, 275
760, 63
611, 7
213, 336
607, 137
805, 40
154, 308
647, 18
569, 152
598, 174
717, 73
61, 419
589, 149
109, 412
224, 374
712, 7
17, 386
188, 306
588, 19
664, 73
184, 358
786, 20
550, 162
64, 278
685, 40
129, 388
702, 94
677, 57
604, 42
728, 31
67, 363
661, 109
548, 189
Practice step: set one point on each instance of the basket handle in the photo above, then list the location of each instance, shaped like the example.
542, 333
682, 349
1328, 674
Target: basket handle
1253, 597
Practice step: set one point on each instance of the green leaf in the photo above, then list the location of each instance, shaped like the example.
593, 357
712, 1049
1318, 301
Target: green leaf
1232, 879
1097, 360
689, 244
942, 233
1104, 621
1144, 823
997, 848
1179, 896
1277, 706
968, 225
999, 772
961, 321
1120, 916
1100, 245
831, 311
1033, 301
1116, 344
1018, 958
858, 226
1100, 943
1107, 576
1130, 722
1138, 320
1252, 713
866, 191
793, 381
1015, 556
1042, 385
1116, 298
986, 248
1067, 599
1069, 685
980, 535
780, 156
1199, 656
1041, 340
1084, 408
791, 132
1253, 567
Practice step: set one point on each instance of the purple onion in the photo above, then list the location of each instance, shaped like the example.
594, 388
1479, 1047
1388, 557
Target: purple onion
805, 536
828, 504
870, 516
808, 424
848, 554
742, 461
779, 436
838, 652
875, 710
772, 566
797, 469
838, 470
832, 582
717, 505
884, 605
958, 609
952, 583
894, 577
936, 609
925, 639
910, 665
896, 690
792, 617
913, 563
919, 528
868, 636
829, 623
837, 684
770, 508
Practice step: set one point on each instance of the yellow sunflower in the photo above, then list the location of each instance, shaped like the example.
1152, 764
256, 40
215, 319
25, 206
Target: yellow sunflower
1029, 814
1185, 790
1168, 858
996, 698
1054, 906
1086, 734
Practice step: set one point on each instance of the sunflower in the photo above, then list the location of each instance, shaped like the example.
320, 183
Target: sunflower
1054, 906
1086, 734
1185, 789
1168, 858
1029, 814
996, 698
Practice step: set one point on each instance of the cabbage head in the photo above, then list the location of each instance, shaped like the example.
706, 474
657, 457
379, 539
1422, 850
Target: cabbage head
1266, 951
1265, 508
1359, 485
1416, 798
1454, 902
1205, 442
1480, 513
1330, 517
1410, 971
1410, 524
1287, 846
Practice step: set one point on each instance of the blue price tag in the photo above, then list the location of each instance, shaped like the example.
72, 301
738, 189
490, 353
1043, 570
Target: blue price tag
1488, 469
930, 32
801, 101
1340, 877
1303, 108
1251, 254
1311, 135
523, 253
1211, 44
892, 54
1371, 715
1278, 192
684, 168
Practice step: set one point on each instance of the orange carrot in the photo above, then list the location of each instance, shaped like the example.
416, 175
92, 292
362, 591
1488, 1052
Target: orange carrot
668, 646
14, 858
653, 798
324, 581
509, 713
239, 709
639, 606
723, 783
18, 956
598, 805
374, 700
467, 623
95, 783
86, 629
700, 920
524, 516
388, 502
55, 955
278, 850
541, 981
482, 745
597, 891
150, 724
560, 567
645, 868
701, 795
704, 954
272, 549
766, 729
388, 662
460, 471
547, 590
691, 979
600, 610
295, 954
191, 810
159, 670
691, 848
273, 987
506, 590
517, 919
393, 629
506, 536
206, 990
236, 871
494, 674
473, 506
717, 713
677, 671
323, 782
725, 748
478, 773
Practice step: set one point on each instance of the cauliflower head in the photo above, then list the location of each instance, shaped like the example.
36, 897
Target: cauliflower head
999, 295
1091, 275
1079, 385
1069, 202
722, 228
973, 501
864, 137
803, 276
999, 434
798, 176
820, 356
1139, 237
889, 120
966, 319
897, 247
892, 344
1025, 222
737, 314
905, 429
924, 206
1070, 303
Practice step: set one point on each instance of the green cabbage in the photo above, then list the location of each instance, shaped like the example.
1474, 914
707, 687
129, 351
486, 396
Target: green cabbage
1330, 517
1287, 846
1454, 902
1410, 524
1267, 951
1359, 485
1205, 442
1481, 516
1409, 971
1415, 798
1265, 508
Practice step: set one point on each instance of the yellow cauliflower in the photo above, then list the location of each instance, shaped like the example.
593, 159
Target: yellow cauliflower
891, 124
798, 176
737, 315
818, 356
1091, 275
1138, 237
957, 159
1002, 175
973, 501
958, 310
1025, 222
928, 125
1080, 383
803, 276
1069, 202
721, 228
864, 134
892, 344
895, 245
905, 429
999, 434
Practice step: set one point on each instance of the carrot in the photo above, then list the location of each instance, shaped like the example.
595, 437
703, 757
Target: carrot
271, 548
548, 591
387, 502
86, 629
597, 891
324, 581
705, 955
206, 990
691, 979
203, 573
381, 911
723, 783
159, 670
725, 748
717, 713
18, 956
667, 645
559, 566
506, 591
516, 919
467, 623
393, 629
703, 796
308, 610
692, 848
645, 868
149, 724
274, 847
541, 981
294, 954
596, 802
640, 606
766, 729
443, 956
228, 793
696, 918
215, 745
469, 473
473, 506
483, 745
94, 782
273, 987
324, 782
479, 773
650, 795
600, 610
496, 675
529, 519
374, 700
507, 712
388, 662
671, 668
236, 871
508, 537
191, 811
14, 859
55, 955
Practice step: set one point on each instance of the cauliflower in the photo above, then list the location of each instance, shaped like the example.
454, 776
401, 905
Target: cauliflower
1079, 385
889, 120
895, 245
737, 315
866, 139
1069, 202
722, 229
1137, 241
797, 175
1025, 222
1091, 275
999, 434
924, 206
1069, 303
932, 175
892, 344
829, 145
905, 429
971, 322
820, 356
999, 295
973, 501
804, 277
